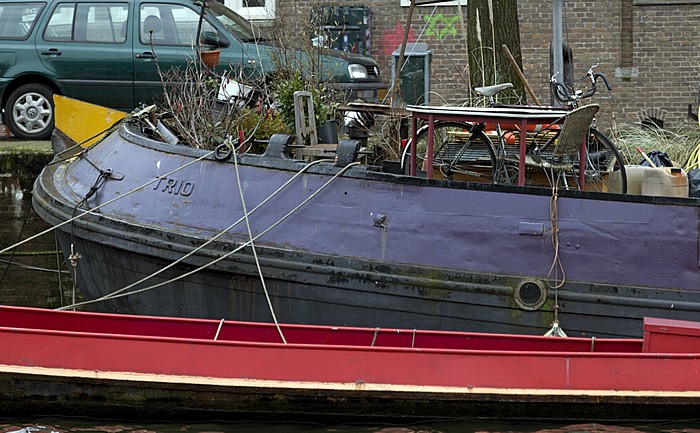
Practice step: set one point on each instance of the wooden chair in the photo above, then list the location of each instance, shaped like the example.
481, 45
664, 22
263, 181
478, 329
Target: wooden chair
305, 117
305, 124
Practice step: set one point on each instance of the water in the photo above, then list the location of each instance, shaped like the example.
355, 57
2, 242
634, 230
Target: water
28, 275
73, 425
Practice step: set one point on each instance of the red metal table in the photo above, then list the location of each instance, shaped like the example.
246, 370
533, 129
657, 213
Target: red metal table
519, 116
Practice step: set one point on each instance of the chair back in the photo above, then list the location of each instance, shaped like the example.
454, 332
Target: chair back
574, 130
305, 117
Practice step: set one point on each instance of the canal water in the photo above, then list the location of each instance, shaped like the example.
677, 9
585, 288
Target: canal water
72, 425
28, 273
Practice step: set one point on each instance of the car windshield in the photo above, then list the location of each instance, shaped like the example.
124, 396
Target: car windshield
236, 24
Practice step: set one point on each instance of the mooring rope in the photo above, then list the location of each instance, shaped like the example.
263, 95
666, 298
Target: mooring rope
554, 225
252, 246
218, 259
90, 211
74, 256
556, 330
30, 267
58, 267
31, 253
107, 131
209, 241
14, 250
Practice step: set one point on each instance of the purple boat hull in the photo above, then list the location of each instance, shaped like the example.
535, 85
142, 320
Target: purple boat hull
364, 248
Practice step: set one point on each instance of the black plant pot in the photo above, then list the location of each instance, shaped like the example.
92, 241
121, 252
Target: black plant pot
328, 132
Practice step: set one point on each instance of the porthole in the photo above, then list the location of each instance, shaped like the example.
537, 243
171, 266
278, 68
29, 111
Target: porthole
530, 295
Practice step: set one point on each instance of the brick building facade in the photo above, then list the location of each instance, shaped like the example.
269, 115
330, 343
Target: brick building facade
647, 49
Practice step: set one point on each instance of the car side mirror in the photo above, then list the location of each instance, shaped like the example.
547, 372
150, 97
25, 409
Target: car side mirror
213, 39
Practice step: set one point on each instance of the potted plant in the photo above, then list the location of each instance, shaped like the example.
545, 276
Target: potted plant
210, 58
328, 130
209, 53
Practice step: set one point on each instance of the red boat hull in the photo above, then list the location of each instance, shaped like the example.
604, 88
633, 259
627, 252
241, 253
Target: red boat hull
50, 359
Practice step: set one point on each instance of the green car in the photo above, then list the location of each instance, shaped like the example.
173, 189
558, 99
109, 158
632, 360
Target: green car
104, 52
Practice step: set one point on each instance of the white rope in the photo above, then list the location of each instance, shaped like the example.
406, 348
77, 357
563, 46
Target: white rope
252, 247
374, 339
556, 330
557, 266
218, 259
90, 211
205, 244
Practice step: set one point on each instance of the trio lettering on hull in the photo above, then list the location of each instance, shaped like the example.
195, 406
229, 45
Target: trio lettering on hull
174, 186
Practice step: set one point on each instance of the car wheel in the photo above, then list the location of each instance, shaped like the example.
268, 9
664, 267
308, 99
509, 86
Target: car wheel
29, 112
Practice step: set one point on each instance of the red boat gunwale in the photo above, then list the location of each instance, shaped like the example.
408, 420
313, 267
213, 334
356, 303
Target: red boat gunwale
321, 356
113, 325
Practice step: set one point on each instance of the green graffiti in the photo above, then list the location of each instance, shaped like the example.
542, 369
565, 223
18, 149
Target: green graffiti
440, 25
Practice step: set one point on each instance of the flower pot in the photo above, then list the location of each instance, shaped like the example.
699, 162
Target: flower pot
210, 58
328, 132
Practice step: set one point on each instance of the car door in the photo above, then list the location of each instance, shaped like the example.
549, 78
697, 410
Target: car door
85, 45
165, 40
17, 30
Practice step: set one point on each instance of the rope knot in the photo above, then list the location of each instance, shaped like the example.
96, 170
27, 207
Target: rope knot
74, 257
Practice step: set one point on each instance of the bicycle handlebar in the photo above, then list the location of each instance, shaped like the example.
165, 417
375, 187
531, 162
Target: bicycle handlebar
564, 95
605, 80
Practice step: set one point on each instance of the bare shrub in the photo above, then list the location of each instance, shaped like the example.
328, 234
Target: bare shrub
191, 97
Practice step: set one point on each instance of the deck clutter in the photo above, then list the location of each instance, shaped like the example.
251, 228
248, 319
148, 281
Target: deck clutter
262, 237
657, 181
91, 364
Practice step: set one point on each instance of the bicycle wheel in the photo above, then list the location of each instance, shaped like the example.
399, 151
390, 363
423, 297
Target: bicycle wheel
604, 168
461, 152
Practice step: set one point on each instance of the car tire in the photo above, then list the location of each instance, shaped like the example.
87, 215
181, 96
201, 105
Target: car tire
29, 112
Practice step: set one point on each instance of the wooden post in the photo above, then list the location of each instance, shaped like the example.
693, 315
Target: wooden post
520, 74
396, 88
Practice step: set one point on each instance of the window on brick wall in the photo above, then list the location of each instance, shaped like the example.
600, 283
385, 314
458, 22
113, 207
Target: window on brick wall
253, 9
452, 3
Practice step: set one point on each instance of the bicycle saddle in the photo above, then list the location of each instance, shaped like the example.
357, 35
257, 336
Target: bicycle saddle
492, 90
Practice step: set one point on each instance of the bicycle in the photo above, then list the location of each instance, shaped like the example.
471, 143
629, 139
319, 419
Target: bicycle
464, 151
605, 165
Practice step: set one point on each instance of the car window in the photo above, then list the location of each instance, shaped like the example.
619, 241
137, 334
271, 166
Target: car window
17, 19
237, 25
88, 22
170, 24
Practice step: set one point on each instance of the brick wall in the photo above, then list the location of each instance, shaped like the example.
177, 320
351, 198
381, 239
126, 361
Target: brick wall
646, 49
